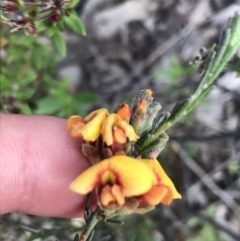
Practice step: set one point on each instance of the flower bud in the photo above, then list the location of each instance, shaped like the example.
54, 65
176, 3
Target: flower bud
140, 110
145, 94
159, 123
154, 109
152, 150
55, 17
92, 153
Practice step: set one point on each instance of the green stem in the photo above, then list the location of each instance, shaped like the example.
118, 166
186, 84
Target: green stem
215, 63
93, 220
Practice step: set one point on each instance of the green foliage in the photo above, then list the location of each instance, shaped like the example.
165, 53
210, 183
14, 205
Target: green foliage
234, 167
59, 43
213, 62
28, 84
22, 69
60, 103
42, 19
207, 233
74, 23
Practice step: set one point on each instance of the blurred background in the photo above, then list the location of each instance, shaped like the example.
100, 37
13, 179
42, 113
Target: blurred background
131, 45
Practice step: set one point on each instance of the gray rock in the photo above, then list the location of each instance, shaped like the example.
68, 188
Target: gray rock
110, 21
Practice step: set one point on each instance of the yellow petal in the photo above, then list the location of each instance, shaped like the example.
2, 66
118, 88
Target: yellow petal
107, 127
91, 131
96, 112
133, 176
129, 130
163, 180
135, 179
117, 121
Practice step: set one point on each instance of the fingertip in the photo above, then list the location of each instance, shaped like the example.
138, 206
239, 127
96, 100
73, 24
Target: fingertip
44, 159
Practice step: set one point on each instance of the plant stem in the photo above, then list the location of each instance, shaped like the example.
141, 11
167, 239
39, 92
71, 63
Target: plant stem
93, 220
215, 63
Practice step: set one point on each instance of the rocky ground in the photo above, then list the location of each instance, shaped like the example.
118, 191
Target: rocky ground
138, 44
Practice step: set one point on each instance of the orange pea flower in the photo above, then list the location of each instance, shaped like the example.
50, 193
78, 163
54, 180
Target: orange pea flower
116, 129
88, 128
112, 127
164, 190
116, 178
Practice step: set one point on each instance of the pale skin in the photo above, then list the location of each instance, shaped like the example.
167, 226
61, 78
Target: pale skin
38, 161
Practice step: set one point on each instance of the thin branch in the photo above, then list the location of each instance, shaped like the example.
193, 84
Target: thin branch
208, 181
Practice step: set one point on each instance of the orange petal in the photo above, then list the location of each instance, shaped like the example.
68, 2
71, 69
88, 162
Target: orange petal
76, 130
129, 130
119, 135
167, 199
106, 196
163, 180
118, 194
134, 177
74, 120
75, 124
155, 195
124, 112
91, 131
110, 195
143, 104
